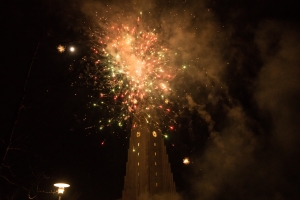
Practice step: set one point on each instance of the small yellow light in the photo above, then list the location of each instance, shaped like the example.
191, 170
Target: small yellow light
60, 48
61, 190
186, 161
61, 187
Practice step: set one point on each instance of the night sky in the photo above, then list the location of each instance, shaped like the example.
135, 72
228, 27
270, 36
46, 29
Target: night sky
235, 108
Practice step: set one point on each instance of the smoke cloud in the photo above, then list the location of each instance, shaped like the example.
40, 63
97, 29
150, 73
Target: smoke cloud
255, 156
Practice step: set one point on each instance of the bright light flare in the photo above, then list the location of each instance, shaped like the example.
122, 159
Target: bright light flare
72, 49
186, 161
61, 187
61, 48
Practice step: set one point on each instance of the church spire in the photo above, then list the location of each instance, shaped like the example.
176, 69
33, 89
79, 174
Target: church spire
148, 171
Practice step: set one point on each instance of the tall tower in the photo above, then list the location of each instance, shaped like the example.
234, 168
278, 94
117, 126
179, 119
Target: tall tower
148, 172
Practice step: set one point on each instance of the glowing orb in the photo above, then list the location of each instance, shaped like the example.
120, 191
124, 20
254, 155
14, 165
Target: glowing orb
72, 49
186, 161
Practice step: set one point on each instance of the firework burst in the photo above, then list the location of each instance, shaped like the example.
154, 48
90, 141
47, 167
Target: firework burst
130, 72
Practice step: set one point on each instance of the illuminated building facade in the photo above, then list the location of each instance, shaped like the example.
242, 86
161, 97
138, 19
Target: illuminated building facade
148, 171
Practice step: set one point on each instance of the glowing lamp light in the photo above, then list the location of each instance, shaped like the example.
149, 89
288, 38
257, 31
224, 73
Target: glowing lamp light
186, 161
61, 187
61, 190
72, 49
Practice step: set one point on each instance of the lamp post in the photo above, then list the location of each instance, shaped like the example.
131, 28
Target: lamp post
61, 188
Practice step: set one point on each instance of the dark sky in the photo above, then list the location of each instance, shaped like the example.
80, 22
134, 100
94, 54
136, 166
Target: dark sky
236, 107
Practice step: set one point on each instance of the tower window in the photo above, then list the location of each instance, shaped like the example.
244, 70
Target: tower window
156, 184
138, 153
138, 164
138, 144
154, 134
138, 174
154, 144
154, 163
155, 173
155, 153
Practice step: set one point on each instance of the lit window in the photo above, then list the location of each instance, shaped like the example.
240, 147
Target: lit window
155, 173
154, 134
138, 134
156, 184
138, 154
138, 164
138, 174
154, 163
154, 144
155, 153
138, 144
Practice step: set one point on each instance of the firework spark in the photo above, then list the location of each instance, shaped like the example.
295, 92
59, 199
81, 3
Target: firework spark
61, 48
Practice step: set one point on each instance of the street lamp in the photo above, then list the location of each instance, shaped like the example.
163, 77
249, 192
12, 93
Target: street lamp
61, 188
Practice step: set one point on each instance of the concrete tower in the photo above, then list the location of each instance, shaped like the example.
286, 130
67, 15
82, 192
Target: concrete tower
148, 172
